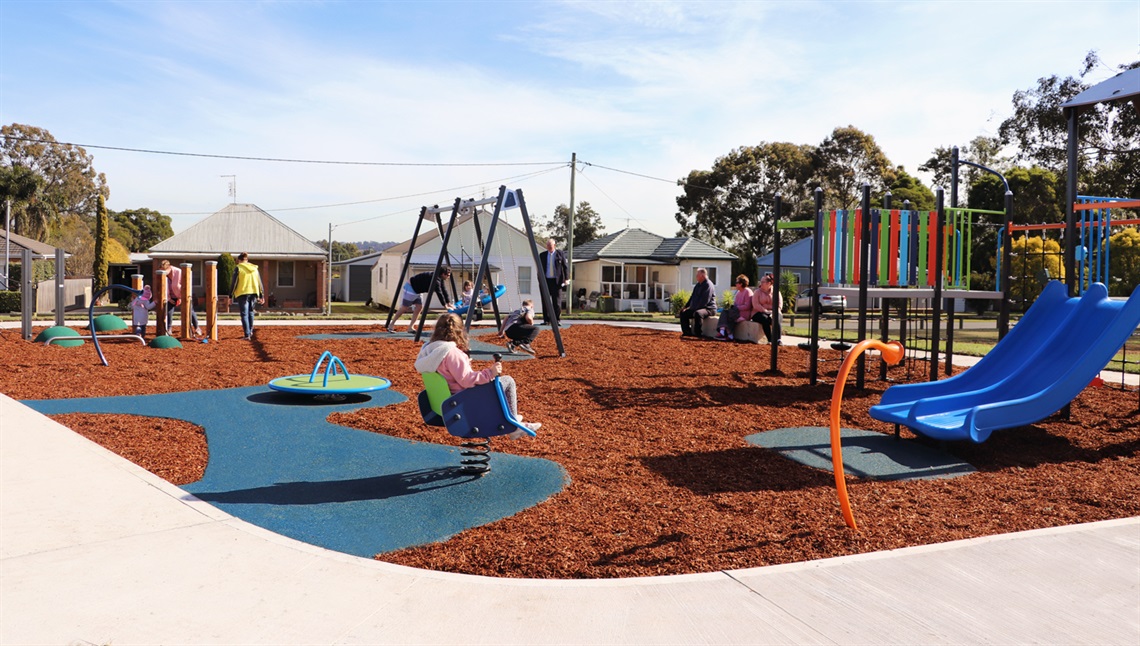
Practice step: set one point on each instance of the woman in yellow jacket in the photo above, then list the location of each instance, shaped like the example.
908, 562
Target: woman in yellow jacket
246, 290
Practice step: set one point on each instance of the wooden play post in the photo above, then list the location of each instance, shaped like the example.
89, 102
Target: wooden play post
136, 281
211, 283
161, 296
187, 330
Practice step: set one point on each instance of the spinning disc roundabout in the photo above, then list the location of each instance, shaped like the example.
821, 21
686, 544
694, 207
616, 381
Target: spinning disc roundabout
332, 385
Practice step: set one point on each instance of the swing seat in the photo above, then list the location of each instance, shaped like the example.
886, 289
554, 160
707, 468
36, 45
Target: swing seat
484, 299
479, 412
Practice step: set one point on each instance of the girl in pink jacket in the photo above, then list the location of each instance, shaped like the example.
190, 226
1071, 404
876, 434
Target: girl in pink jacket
448, 354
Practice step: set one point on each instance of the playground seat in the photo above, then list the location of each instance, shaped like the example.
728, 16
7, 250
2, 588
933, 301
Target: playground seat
749, 332
474, 414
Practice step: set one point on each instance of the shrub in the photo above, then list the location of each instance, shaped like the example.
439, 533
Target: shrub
728, 298
789, 287
677, 302
9, 302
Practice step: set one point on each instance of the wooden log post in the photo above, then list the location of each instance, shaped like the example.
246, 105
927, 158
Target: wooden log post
187, 330
211, 283
161, 296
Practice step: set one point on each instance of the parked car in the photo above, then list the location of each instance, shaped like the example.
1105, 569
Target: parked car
827, 302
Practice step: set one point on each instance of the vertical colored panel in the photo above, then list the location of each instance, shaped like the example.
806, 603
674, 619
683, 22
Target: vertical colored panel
857, 261
842, 242
904, 247
896, 222
922, 260
852, 248
884, 247
831, 248
873, 257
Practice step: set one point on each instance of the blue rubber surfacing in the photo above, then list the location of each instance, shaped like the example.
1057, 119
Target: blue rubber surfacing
277, 463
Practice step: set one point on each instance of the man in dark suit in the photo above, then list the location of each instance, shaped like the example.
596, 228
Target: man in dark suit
557, 276
700, 306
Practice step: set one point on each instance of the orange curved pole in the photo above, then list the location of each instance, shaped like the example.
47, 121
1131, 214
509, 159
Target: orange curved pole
892, 354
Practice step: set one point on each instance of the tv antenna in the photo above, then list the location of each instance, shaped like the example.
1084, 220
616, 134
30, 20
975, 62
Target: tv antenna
233, 187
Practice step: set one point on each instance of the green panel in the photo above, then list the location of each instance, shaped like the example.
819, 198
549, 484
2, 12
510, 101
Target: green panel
884, 247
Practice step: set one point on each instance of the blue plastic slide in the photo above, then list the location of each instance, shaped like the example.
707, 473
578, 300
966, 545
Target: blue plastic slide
484, 299
1048, 358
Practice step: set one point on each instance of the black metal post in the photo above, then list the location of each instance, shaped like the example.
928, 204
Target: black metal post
939, 253
490, 283
1070, 198
864, 278
885, 304
1006, 259
776, 309
816, 261
404, 270
436, 272
547, 302
27, 294
60, 285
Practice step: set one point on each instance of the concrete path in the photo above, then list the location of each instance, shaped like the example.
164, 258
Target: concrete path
96, 550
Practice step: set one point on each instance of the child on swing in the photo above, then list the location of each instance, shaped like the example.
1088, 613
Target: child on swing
448, 353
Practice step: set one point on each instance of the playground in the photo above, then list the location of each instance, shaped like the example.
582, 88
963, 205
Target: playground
650, 432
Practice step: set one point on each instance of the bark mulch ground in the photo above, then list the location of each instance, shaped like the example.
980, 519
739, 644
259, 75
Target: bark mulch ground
650, 429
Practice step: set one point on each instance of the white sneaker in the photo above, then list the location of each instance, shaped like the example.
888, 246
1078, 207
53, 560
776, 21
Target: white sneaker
510, 347
525, 347
534, 426
514, 435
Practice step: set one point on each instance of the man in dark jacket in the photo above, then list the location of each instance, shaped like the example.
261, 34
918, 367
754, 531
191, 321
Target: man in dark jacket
553, 263
700, 306
421, 283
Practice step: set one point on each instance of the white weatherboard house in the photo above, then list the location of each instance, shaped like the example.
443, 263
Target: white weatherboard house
511, 262
639, 269
293, 269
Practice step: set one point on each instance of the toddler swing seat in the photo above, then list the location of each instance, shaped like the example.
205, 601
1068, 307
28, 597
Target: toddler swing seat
475, 414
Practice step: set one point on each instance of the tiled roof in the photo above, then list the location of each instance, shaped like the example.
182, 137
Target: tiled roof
237, 228
17, 243
640, 244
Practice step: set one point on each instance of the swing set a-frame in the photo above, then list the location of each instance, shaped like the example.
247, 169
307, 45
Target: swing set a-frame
507, 199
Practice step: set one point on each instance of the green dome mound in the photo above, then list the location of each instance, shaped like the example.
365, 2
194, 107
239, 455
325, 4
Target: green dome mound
164, 342
109, 323
57, 331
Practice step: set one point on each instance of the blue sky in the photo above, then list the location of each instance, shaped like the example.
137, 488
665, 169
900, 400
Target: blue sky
652, 88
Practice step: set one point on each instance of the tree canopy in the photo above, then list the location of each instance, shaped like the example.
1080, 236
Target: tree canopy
67, 182
140, 229
587, 224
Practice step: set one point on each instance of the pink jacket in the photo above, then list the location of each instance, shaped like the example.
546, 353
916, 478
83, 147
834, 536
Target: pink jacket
175, 277
743, 303
762, 301
448, 360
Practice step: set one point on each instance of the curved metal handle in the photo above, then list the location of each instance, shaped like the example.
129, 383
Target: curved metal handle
892, 353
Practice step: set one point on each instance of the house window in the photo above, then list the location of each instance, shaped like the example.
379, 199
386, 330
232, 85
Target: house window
524, 279
610, 273
381, 278
285, 271
196, 271
711, 271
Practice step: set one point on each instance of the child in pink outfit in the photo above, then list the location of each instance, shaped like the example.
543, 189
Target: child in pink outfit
447, 354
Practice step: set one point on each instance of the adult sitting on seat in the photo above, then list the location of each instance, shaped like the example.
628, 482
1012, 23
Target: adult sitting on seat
519, 327
739, 311
448, 353
765, 305
410, 298
700, 306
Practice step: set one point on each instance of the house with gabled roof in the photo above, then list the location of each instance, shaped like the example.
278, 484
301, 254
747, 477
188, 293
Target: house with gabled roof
293, 268
637, 268
510, 263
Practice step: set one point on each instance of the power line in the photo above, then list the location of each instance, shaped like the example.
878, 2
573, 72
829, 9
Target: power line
680, 183
280, 159
595, 185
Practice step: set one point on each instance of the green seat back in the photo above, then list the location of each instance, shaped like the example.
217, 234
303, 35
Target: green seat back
437, 390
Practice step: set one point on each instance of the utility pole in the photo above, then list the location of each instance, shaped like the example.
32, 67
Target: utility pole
570, 235
328, 277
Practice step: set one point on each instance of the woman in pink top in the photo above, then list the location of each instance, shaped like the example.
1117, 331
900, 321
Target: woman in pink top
448, 353
763, 307
740, 310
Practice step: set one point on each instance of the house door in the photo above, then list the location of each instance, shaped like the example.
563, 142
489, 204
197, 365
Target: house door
359, 279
